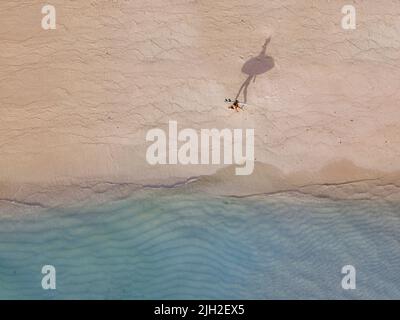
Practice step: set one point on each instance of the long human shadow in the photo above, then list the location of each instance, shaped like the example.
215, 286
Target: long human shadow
254, 67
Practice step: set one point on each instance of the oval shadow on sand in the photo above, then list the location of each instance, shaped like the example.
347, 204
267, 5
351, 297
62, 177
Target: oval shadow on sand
255, 66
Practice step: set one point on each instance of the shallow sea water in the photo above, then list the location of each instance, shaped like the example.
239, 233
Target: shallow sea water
167, 245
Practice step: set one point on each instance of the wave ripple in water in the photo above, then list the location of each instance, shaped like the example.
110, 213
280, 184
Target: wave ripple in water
169, 246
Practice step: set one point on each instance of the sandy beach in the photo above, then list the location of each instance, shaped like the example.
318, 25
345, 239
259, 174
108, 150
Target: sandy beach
77, 102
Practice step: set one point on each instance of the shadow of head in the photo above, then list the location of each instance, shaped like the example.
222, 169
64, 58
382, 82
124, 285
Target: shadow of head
259, 64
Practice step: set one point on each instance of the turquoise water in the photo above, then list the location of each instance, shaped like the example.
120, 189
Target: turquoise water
165, 245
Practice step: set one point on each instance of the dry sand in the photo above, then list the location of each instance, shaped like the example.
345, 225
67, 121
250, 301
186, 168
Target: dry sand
76, 102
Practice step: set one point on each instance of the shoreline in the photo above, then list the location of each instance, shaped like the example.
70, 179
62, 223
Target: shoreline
338, 181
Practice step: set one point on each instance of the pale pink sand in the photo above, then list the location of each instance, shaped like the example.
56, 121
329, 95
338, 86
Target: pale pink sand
76, 102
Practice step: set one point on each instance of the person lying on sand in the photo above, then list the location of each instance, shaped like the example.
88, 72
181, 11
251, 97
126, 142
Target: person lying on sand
235, 106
